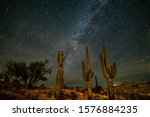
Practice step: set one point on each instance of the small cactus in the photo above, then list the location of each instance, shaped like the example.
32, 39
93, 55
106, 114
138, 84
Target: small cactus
87, 74
97, 87
59, 76
96, 82
109, 72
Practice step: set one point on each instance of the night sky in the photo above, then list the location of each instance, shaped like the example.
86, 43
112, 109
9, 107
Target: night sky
33, 30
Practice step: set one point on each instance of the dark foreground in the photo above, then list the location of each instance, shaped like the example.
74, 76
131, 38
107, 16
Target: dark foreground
124, 91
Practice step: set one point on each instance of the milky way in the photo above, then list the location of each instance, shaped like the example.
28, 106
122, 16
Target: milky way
32, 30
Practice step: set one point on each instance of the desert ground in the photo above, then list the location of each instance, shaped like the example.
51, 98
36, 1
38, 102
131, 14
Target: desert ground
124, 91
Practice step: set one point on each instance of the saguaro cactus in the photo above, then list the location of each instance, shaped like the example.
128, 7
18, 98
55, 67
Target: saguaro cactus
59, 76
109, 72
97, 87
87, 74
96, 82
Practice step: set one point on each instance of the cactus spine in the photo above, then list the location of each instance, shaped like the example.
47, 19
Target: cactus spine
87, 74
59, 76
109, 72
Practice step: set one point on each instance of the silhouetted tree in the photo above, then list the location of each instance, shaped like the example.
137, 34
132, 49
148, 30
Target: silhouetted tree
5, 76
29, 75
17, 71
37, 71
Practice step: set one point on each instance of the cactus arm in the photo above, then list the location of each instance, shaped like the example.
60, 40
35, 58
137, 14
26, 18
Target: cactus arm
106, 61
104, 71
113, 70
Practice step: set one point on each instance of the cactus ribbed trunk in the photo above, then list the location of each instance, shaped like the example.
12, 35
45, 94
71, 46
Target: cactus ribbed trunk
109, 72
89, 88
59, 76
110, 89
87, 74
59, 82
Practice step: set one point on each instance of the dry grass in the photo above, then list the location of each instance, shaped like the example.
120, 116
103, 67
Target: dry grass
124, 91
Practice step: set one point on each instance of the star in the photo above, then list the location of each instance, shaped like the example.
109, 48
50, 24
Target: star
35, 30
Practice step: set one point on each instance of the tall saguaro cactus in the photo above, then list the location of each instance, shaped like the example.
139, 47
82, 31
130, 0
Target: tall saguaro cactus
59, 76
109, 72
87, 74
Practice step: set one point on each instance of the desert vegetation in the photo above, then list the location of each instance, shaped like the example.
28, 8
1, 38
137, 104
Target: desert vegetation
87, 74
124, 91
26, 74
109, 72
59, 76
19, 81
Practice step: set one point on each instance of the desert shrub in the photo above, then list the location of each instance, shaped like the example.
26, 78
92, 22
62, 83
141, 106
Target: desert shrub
28, 75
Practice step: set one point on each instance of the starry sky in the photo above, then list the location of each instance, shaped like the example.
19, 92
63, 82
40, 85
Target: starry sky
33, 30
